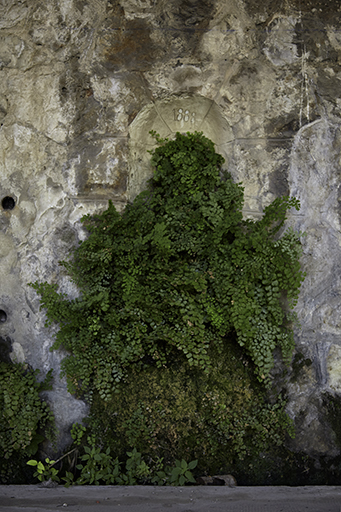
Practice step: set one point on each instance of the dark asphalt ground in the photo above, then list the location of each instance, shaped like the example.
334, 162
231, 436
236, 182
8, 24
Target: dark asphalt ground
30, 498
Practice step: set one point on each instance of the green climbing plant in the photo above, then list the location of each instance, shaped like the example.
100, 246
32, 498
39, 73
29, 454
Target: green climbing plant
25, 419
175, 274
174, 283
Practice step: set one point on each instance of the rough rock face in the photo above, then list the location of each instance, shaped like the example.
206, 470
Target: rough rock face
81, 84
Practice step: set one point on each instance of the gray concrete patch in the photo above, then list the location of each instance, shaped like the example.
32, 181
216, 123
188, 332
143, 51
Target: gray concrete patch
157, 499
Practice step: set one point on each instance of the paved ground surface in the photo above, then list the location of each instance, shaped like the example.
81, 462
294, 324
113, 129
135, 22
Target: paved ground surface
30, 498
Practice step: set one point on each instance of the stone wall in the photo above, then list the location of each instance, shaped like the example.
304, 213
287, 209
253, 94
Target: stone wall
81, 84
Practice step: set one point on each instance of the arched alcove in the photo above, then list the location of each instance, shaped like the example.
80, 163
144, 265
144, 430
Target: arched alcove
185, 113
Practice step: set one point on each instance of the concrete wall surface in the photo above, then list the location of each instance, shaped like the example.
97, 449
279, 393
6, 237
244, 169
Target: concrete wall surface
82, 83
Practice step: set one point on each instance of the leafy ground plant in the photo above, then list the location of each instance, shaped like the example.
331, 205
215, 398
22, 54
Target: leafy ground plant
181, 474
46, 471
99, 467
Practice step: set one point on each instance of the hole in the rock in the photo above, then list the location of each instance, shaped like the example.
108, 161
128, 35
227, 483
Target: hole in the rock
8, 203
3, 316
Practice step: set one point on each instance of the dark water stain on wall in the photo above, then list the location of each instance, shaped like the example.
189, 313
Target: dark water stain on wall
311, 38
328, 86
129, 47
245, 73
328, 11
5, 349
75, 88
185, 23
278, 181
125, 44
189, 16
138, 44
285, 125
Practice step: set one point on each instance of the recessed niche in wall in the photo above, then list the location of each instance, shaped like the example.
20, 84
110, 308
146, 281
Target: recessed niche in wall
8, 203
3, 316
184, 113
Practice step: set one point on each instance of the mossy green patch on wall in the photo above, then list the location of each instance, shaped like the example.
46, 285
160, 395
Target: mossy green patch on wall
181, 412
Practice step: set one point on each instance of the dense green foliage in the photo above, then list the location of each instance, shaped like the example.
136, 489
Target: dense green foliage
182, 303
175, 274
24, 415
182, 412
